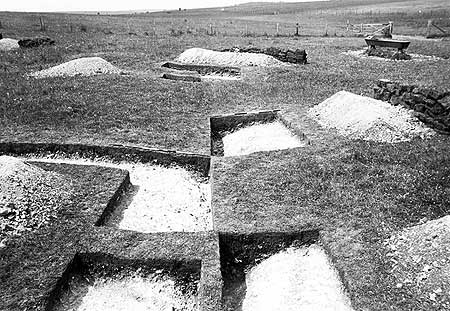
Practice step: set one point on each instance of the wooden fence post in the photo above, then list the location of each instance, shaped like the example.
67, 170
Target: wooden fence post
326, 30
391, 28
430, 23
438, 28
41, 21
211, 29
348, 25
296, 29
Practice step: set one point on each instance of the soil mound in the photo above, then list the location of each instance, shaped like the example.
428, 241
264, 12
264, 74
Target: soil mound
420, 258
7, 44
361, 117
385, 56
29, 196
86, 66
208, 57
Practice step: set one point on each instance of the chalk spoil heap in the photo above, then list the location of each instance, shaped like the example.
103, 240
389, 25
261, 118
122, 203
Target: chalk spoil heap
85, 66
29, 196
420, 259
8, 44
361, 117
208, 57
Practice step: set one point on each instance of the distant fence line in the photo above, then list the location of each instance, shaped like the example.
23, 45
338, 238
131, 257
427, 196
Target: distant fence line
246, 29
384, 30
432, 25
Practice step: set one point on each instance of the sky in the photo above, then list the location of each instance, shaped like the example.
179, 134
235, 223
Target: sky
116, 5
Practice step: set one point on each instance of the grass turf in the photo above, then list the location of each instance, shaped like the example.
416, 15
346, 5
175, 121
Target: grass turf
356, 192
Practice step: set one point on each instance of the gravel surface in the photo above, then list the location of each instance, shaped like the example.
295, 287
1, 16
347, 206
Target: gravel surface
161, 199
418, 38
86, 66
8, 44
259, 137
208, 57
137, 293
414, 57
361, 117
295, 279
220, 77
29, 196
420, 260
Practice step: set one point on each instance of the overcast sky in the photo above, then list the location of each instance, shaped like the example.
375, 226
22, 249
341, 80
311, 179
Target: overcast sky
115, 5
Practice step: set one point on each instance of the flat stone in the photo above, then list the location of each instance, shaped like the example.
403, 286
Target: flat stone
5, 211
445, 102
383, 82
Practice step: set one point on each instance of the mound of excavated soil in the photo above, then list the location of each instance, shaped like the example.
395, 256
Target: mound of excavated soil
7, 44
29, 196
414, 57
208, 57
361, 117
259, 137
86, 66
295, 279
420, 259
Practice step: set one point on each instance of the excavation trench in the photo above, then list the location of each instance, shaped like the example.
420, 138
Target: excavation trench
199, 73
276, 271
103, 282
245, 133
164, 195
159, 199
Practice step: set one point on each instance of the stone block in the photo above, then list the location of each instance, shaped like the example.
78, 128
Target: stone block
391, 87
396, 100
420, 108
383, 82
434, 94
418, 99
437, 109
445, 102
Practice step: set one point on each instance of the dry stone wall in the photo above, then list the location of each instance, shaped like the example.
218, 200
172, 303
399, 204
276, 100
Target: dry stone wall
35, 42
297, 56
432, 105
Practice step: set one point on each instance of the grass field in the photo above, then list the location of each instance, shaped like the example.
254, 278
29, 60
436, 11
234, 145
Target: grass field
358, 193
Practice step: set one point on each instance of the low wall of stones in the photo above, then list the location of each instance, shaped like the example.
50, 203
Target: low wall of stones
431, 105
297, 56
35, 42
